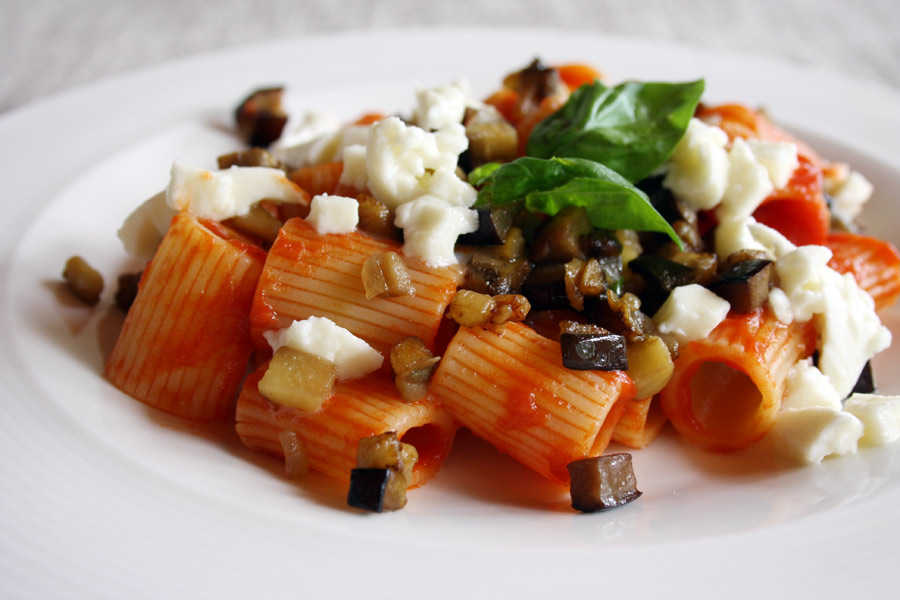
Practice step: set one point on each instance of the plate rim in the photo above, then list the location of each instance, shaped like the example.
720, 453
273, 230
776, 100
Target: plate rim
77, 96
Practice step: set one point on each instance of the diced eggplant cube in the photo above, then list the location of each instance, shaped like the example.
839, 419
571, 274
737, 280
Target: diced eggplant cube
591, 351
298, 379
251, 157
559, 240
866, 382
260, 116
547, 296
127, 290
661, 272
602, 482
83, 280
493, 225
368, 489
380, 452
412, 363
545, 287
745, 284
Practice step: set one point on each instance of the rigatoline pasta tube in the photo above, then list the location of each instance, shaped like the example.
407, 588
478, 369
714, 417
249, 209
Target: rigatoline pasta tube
547, 268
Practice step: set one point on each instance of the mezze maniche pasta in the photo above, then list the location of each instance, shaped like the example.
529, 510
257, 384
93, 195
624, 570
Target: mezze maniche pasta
561, 265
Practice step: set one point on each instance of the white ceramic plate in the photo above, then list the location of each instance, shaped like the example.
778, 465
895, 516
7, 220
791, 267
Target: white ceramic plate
105, 498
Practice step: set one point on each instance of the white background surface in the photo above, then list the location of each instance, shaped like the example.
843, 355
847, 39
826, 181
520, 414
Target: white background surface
48, 46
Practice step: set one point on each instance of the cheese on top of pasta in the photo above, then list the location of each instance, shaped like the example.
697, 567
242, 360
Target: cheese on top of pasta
220, 195
322, 337
333, 214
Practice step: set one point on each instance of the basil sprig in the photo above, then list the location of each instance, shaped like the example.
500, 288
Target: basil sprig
631, 128
550, 185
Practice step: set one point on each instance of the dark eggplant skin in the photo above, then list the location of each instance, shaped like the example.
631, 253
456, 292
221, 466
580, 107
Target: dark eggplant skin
662, 273
367, 487
602, 482
493, 225
593, 351
260, 117
866, 382
745, 284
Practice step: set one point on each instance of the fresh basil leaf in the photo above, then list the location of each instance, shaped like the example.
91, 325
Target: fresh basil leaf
549, 185
480, 174
608, 205
512, 181
631, 128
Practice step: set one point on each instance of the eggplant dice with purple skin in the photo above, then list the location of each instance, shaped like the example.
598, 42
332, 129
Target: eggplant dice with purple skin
593, 351
745, 284
602, 482
376, 490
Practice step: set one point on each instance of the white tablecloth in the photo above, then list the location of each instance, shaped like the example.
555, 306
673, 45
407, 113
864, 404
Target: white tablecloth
48, 46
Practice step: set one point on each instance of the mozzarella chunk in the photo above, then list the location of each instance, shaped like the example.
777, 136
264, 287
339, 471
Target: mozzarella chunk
748, 183
325, 148
748, 234
322, 337
808, 386
691, 312
850, 332
810, 434
354, 172
698, 168
430, 228
219, 195
770, 239
441, 106
333, 214
402, 160
849, 196
145, 227
800, 275
781, 305
880, 416
779, 158
309, 125
447, 186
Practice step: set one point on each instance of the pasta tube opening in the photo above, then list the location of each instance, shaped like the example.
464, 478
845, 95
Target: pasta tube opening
433, 444
724, 400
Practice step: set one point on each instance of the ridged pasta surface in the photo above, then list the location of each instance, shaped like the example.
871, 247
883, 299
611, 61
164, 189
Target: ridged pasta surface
307, 274
185, 343
509, 387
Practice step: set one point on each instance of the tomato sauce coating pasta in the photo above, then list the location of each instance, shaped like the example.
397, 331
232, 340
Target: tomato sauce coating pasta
186, 340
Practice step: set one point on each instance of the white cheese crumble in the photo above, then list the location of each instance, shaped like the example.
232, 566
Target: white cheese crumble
325, 148
354, 173
430, 228
807, 386
849, 330
333, 214
402, 160
880, 416
698, 168
413, 172
849, 195
309, 125
219, 195
691, 312
704, 175
748, 183
800, 277
779, 158
443, 105
810, 434
322, 337
145, 227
